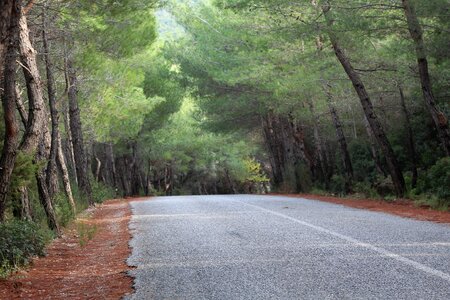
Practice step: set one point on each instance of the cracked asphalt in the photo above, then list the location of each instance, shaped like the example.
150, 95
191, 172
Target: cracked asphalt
273, 247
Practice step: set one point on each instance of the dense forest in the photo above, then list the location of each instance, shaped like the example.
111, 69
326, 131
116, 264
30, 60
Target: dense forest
104, 99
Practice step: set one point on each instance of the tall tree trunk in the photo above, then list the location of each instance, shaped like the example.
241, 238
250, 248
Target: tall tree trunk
319, 145
373, 149
97, 168
68, 145
275, 151
392, 163
416, 32
411, 146
112, 163
37, 109
65, 176
52, 174
342, 141
44, 197
6, 12
23, 211
36, 135
10, 13
77, 136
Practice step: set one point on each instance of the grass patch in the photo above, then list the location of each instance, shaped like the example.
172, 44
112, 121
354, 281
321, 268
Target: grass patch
86, 232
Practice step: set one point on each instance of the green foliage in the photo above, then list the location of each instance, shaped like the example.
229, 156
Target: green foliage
254, 171
63, 209
439, 178
19, 242
365, 190
24, 173
338, 185
433, 186
86, 232
102, 192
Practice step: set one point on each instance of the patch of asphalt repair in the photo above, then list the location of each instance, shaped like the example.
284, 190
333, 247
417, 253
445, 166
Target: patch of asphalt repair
274, 247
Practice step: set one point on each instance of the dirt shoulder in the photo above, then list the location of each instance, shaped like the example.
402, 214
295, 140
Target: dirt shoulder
88, 262
404, 208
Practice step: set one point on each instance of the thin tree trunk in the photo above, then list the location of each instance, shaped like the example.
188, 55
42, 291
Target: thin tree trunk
97, 170
21, 107
392, 163
24, 209
318, 144
77, 136
8, 66
111, 159
416, 32
69, 146
275, 155
65, 176
52, 174
373, 149
25, 205
44, 197
342, 141
411, 146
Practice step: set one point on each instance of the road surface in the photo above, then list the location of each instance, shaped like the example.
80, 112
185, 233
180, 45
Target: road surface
271, 247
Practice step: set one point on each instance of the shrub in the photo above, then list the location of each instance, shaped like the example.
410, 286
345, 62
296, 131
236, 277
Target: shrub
365, 189
338, 185
101, 192
439, 179
19, 241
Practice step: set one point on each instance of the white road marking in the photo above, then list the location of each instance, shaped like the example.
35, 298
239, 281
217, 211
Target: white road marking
382, 251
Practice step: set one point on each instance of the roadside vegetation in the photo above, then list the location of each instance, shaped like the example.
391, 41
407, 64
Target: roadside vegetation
106, 99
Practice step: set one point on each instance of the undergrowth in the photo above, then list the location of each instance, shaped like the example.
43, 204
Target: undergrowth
19, 242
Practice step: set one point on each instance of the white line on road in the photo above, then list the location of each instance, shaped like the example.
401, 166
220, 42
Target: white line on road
382, 251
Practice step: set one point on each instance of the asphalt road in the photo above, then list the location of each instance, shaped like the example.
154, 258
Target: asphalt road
270, 247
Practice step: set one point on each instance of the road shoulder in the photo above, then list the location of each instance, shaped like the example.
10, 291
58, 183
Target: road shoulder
89, 261
404, 208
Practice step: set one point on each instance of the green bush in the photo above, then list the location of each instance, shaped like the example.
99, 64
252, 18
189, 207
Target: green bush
365, 189
101, 192
439, 179
338, 185
436, 180
63, 209
20, 241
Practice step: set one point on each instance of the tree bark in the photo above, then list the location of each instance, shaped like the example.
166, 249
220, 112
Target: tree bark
98, 168
439, 118
36, 135
37, 110
342, 141
21, 107
319, 145
112, 163
52, 174
411, 145
77, 136
392, 163
65, 176
68, 146
8, 65
44, 197
373, 149
6, 12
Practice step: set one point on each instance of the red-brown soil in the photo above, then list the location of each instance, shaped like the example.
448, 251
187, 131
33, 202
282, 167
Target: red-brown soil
402, 207
96, 270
